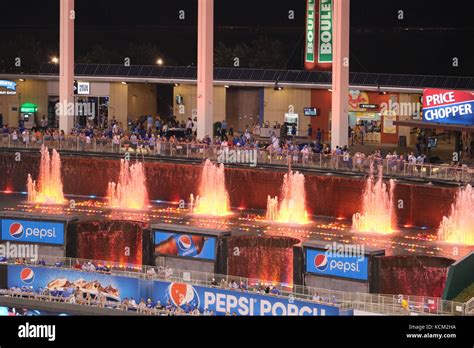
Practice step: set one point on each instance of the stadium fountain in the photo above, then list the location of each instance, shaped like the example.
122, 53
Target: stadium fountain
292, 208
130, 192
458, 228
49, 186
378, 212
213, 198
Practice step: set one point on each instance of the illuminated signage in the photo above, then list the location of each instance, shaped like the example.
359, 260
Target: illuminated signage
310, 18
368, 106
325, 32
28, 108
83, 88
7, 87
448, 107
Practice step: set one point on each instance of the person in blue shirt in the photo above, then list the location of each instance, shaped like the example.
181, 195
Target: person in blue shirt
58, 263
55, 292
243, 140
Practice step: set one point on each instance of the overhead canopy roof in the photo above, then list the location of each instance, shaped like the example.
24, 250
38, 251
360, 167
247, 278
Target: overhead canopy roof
266, 75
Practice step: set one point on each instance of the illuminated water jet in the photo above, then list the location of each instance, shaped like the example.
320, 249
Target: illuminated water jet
378, 212
458, 228
130, 192
292, 208
213, 198
49, 186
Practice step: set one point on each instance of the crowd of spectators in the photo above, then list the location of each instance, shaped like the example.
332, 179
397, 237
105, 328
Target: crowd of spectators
155, 133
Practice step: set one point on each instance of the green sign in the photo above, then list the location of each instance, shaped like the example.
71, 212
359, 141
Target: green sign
310, 18
325, 32
28, 108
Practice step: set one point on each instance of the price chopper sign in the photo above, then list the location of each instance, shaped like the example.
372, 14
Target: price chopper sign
325, 32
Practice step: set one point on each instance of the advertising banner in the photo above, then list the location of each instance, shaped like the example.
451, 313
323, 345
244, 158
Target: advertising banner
223, 301
448, 107
185, 245
114, 288
325, 44
29, 231
310, 31
388, 126
7, 87
322, 263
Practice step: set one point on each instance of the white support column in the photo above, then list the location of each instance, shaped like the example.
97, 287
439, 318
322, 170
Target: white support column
66, 63
205, 70
340, 74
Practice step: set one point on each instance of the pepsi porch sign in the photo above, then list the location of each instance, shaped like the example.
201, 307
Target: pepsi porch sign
28, 231
448, 107
322, 263
222, 301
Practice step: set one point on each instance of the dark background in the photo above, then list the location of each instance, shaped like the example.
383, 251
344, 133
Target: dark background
257, 31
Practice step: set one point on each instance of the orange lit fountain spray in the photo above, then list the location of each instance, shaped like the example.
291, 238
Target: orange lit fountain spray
213, 198
49, 188
130, 192
292, 208
459, 226
378, 212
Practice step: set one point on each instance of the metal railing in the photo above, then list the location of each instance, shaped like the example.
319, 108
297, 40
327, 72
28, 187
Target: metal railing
469, 310
92, 303
378, 303
158, 148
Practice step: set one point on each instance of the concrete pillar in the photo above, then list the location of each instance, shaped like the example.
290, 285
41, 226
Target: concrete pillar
66, 64
340, 74
205, 71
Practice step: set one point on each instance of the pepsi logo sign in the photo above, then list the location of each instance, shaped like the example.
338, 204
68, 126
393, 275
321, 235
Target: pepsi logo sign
185, 242
321, 262
181, 295
16, 230
27, 275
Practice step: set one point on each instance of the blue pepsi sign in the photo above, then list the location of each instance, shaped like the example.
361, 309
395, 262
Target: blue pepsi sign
28, 231
185, 245
114, 288
323, 263
222, 301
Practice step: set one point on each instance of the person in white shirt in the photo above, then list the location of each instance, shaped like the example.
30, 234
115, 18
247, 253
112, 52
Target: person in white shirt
411, 162
189, 126
420, 159
15, 137
26, 136
194, 125
132, 303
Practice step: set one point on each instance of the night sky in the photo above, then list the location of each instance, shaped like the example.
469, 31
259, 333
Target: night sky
424, 42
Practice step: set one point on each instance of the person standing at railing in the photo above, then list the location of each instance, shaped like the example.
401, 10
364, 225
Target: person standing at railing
411, 163
189, 127
15, 138
5, 134
26, 136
